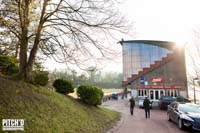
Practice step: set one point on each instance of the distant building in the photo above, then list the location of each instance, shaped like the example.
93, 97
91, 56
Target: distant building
154, 68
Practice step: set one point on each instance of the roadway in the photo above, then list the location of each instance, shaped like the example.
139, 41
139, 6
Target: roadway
137, 123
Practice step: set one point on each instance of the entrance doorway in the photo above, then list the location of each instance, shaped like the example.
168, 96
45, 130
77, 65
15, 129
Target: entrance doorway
156, 94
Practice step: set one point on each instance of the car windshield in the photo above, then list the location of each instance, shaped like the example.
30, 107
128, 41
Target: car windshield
168, 98
189, 108
141, 98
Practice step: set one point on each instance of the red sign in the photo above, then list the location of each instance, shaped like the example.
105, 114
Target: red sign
156, 80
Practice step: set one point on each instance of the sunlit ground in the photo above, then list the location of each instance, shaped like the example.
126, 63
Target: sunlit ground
110, 91
106, 92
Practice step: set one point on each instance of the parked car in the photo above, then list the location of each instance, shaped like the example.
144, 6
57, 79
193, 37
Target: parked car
141, 100
114, 96
164, 101
184, 114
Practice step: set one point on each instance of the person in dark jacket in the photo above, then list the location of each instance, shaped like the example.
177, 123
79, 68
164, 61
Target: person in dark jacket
146, 105
132, 104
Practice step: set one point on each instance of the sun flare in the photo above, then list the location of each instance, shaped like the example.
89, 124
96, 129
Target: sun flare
180, 43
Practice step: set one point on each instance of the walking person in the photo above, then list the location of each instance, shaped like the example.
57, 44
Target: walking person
132, 105
146, 105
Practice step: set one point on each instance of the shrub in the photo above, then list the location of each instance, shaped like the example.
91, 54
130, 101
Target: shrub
182, 99
90, 94
12, 69
41, 78
8, 65
63, 86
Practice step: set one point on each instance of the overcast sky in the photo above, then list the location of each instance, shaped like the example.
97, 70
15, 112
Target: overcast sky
166, 20
163, 19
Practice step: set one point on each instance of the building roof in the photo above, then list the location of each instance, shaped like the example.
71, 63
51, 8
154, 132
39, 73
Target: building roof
166, 44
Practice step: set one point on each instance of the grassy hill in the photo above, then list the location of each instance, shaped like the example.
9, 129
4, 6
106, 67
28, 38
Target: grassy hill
46, 111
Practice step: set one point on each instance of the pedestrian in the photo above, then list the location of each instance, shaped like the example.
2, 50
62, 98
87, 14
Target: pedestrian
146, 105
132, 105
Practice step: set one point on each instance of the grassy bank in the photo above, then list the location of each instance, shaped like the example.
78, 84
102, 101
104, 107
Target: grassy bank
47, 111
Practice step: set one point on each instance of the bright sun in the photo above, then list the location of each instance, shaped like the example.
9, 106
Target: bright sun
180, 43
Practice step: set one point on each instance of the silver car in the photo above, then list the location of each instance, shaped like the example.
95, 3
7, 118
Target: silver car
141, 100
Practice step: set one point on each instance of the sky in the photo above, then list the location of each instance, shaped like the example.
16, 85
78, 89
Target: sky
171, 20
165, 20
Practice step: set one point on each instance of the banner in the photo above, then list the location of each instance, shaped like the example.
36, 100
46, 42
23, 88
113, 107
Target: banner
160, 86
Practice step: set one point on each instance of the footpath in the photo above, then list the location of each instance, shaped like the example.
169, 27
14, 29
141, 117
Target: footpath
137, 123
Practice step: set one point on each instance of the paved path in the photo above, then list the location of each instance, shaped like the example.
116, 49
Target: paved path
137, 123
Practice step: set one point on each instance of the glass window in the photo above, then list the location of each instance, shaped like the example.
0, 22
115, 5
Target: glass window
142, 92
151, 95
145, 92
161, 93
168, 93
137, 56
156, 95
176, 94
172, 94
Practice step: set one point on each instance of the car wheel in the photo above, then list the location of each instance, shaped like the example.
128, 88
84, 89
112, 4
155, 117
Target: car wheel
168, 117
180, 124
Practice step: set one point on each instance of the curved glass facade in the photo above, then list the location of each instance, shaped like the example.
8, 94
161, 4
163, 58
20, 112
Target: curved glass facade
154, 68
137, 56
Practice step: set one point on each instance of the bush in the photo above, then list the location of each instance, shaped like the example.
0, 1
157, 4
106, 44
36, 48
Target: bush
90, 94
41, 78
12, 69
8, 65
182, 99
63, 86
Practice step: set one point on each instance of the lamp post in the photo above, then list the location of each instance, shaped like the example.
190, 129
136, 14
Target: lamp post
91, 71
194, 89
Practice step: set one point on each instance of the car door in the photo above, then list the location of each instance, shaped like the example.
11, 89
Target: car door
171, 111
176, 113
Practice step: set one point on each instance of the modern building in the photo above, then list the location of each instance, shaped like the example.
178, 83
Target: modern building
154, 68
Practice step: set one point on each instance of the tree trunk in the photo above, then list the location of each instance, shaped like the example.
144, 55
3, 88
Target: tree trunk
28, 73
16, 50
24, 23
23, 58
31, 60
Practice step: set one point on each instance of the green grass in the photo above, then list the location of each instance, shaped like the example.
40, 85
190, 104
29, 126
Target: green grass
46, 111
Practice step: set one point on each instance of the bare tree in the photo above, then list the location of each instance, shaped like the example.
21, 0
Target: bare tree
8, 44
66, 30
193, 56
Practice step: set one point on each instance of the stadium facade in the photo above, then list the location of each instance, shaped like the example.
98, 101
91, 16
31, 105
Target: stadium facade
154, 68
